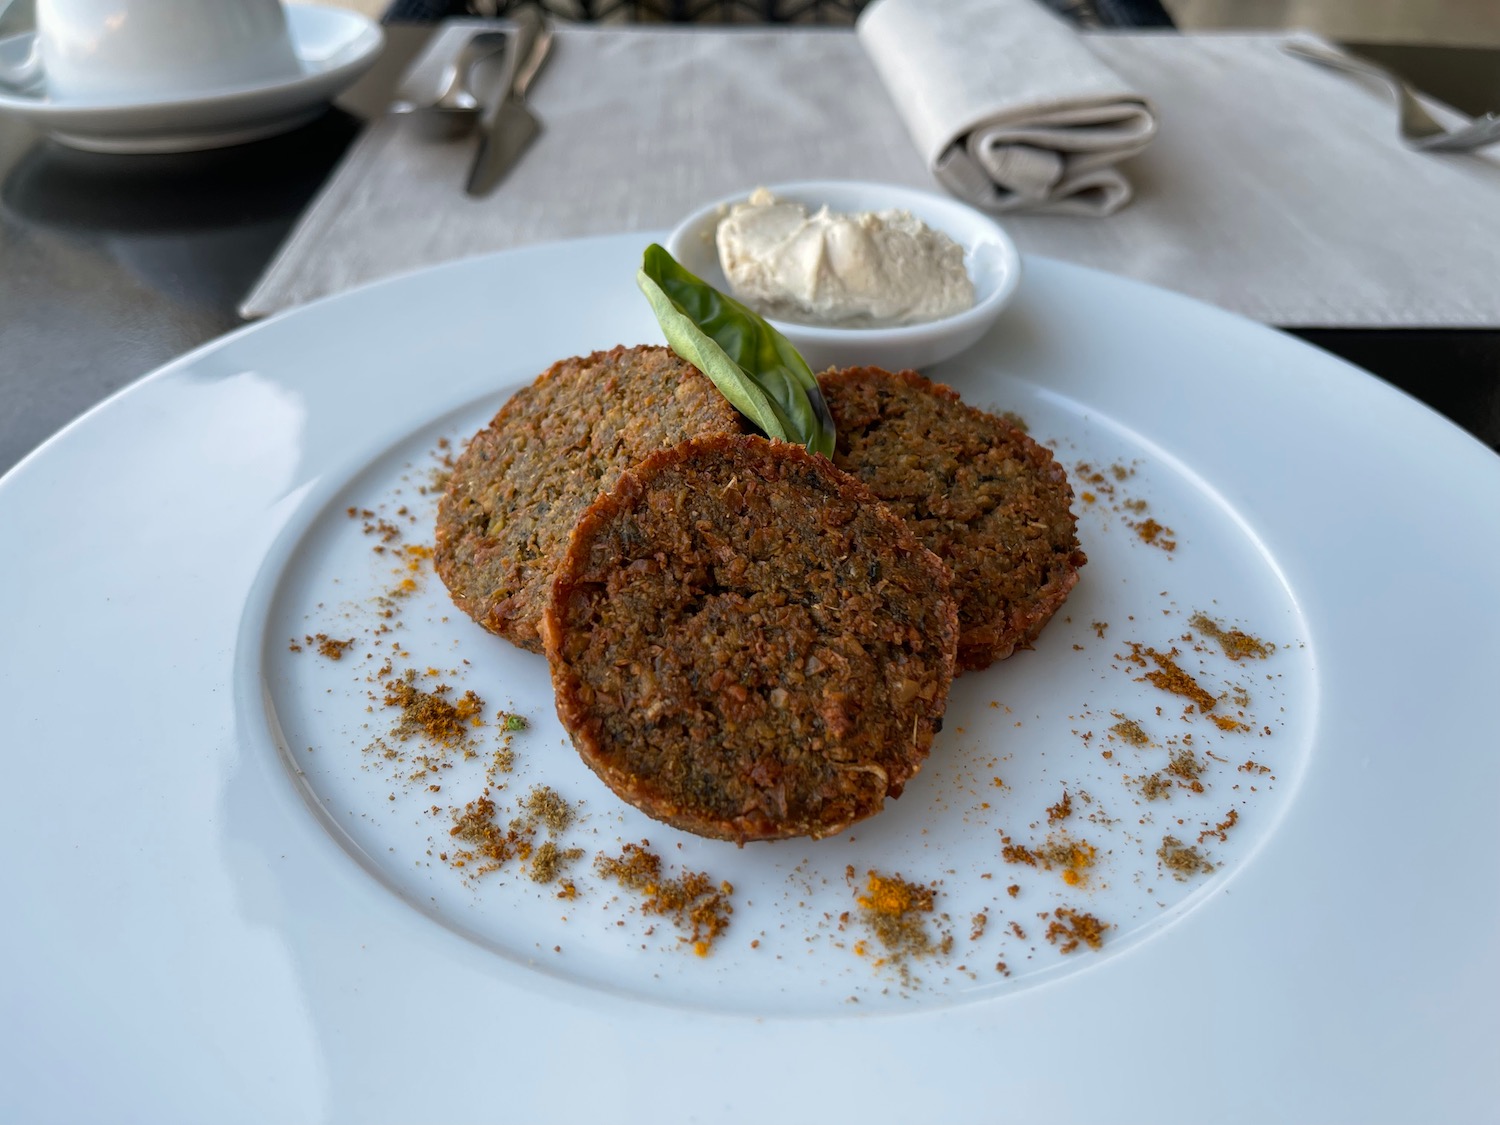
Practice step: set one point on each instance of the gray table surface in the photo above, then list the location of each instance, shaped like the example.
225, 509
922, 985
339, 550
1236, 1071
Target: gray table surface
110, 266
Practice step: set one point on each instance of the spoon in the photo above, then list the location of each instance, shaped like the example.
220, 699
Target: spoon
455, 105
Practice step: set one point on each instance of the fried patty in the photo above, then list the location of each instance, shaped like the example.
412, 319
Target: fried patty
523, 481
981, 495
747, 645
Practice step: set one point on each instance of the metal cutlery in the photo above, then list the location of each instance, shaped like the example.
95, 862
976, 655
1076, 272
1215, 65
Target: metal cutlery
1417, 127
455, 105
508, 127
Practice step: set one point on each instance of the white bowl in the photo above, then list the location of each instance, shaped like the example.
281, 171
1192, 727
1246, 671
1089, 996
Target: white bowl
990, 256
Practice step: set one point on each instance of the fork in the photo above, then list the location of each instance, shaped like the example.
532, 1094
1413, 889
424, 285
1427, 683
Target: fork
1417, 127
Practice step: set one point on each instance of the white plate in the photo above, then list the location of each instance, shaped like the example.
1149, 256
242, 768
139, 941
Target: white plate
334, 46
990, 257
211, 922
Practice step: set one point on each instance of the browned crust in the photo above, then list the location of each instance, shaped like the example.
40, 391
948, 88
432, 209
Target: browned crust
521, 483
745, 644
989, 501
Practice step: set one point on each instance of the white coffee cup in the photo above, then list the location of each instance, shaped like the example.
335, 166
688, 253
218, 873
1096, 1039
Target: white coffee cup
130, 50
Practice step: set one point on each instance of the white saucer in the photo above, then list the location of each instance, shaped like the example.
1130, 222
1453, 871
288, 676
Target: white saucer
334, 47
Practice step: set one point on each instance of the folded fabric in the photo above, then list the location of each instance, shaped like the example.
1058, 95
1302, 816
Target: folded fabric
1008, 106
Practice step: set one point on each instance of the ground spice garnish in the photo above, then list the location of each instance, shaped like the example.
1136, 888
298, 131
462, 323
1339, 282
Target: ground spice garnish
1156, 787
476, 826
501, 762
331, 648
693, 904
1221, 830
1060, 811
1252, 766
1156, 534
1013, 890
978, 924
544, 804
1228, 725
549, 861
896, 913
1129, 731
1070, 929
428, 713
1018, 853
1169, 677
1072, 857
1185, 764
1236, 644
1182, 860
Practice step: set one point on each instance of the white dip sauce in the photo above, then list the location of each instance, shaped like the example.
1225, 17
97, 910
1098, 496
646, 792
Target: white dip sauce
870, 269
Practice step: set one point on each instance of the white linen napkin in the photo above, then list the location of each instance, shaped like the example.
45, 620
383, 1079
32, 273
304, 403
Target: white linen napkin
1008, 106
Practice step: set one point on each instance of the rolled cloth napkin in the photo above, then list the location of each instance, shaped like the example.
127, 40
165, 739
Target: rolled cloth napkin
1010, 109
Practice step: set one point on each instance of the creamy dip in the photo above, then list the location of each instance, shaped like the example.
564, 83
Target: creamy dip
874, 268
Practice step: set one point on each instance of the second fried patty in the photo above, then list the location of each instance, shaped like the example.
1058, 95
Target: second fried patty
522, 482
989, 501
746, 644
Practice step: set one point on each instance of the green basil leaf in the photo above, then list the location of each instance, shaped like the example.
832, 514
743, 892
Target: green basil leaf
755, 366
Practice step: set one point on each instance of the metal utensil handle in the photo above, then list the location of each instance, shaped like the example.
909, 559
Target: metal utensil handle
536, 57
1338, 61
530, 26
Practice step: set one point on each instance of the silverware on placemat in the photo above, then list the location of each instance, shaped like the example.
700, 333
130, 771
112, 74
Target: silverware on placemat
1418, 128
507, 127
453, 107
454, 94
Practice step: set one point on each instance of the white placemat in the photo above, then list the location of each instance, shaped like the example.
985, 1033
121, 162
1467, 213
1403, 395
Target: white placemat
1274, 188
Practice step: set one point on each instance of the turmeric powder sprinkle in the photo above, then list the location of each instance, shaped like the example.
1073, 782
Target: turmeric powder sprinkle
896, 912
